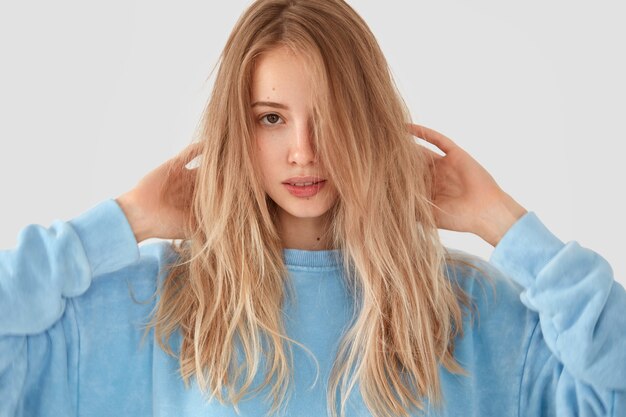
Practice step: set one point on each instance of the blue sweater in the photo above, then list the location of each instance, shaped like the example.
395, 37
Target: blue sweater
551, 342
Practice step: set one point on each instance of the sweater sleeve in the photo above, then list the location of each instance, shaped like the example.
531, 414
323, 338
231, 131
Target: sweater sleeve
576, 358
38, 332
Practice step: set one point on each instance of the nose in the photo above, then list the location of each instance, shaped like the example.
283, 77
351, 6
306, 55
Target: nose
301, 149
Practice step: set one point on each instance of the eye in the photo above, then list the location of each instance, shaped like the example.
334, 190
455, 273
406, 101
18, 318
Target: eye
272, 118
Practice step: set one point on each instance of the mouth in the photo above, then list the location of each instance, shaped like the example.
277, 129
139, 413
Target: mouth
304, 189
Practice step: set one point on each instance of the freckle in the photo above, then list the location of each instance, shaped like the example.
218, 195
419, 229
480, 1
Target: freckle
273, 88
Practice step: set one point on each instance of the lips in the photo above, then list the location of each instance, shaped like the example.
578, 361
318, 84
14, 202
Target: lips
305, 190
304, 180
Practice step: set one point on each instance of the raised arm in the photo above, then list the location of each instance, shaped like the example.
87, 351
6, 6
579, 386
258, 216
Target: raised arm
43, 278
576, 360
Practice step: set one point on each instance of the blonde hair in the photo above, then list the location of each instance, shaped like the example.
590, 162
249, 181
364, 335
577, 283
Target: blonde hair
227, 287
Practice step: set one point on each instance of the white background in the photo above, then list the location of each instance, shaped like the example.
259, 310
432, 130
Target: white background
93, 95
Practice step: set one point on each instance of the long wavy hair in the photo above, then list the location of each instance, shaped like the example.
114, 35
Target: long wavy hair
227, 287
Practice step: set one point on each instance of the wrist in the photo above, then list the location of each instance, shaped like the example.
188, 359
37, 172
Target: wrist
505, 215
135, 217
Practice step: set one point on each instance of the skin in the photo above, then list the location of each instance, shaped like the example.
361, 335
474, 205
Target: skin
467, 197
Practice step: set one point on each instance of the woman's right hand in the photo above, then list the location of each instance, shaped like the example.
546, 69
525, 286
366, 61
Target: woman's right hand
159, 205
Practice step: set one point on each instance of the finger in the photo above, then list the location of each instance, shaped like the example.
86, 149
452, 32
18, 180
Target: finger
439, 140
428, 152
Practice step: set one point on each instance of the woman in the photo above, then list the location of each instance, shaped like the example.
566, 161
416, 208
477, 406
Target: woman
311, 220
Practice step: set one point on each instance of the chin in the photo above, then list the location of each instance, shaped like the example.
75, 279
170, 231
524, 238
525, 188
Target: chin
311, 211
311, 207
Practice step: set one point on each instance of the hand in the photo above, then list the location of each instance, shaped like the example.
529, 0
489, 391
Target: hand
159, 205
466, 197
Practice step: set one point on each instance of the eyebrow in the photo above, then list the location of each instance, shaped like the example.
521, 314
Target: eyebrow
270, 104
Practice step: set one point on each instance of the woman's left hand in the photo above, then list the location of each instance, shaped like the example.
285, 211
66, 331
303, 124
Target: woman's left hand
466, 196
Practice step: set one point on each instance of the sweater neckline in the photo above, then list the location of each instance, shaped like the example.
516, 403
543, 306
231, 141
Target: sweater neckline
312, 258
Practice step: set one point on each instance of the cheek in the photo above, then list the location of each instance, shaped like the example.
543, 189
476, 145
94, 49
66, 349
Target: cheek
269, 153
268, 165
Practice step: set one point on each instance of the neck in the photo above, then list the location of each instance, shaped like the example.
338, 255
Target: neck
304, 233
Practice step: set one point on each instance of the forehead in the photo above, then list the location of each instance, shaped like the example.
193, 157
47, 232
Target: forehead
280, 75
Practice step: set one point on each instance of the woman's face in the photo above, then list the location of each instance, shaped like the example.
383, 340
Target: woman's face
284, 144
